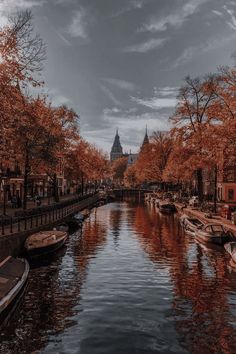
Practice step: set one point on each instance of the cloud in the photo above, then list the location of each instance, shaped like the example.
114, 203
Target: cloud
232, 22
194, 51
155, 102
57, 98
145, 47
166, 91
122, 84
110, 95
187, 55
175, 19
79, 24
132, 5
119, 111
217, 13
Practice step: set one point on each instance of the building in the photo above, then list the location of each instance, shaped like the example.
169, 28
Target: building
116, 150
145, 140
132, 158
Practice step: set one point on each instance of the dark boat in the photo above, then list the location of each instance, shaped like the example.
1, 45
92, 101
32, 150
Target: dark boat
13, 276
167, 208
190, 225
45, 242
214, 233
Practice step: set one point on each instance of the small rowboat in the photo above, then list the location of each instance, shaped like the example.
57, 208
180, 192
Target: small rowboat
230, 247
214, 233
13, 276
45, 242
190, 225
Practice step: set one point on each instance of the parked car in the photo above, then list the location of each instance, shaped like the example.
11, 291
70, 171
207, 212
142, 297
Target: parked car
226, 210
193, 201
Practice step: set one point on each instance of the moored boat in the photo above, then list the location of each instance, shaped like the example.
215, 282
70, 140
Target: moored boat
13, 276
190, 224
45, 242
167, 208
214, 233
230, 247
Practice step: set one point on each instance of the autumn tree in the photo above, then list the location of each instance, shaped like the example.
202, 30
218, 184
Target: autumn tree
191, 119
130, 176
118, 168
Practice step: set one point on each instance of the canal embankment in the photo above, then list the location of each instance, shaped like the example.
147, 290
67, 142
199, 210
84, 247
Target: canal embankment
14, 233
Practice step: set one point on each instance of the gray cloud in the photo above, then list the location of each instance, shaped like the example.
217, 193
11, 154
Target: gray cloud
79, 24
122, 84
124, 77
147, 46
174, 19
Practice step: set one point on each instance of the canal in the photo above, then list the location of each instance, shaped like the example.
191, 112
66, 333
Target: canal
131, 282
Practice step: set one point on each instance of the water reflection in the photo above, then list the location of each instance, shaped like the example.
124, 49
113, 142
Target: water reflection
203, 289
132, 282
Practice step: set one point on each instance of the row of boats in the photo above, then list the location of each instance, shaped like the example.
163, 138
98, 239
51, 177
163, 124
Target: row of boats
14, 271
213, 233
165, 206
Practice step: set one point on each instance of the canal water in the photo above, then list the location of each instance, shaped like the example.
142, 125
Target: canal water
131, 282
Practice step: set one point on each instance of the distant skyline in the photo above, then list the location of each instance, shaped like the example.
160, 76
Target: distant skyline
120, 63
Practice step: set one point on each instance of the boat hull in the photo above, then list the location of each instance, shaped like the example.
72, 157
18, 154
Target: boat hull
10, 301
217, 240
42, 251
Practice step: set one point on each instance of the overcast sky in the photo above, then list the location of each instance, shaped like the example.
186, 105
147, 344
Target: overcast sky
119, 63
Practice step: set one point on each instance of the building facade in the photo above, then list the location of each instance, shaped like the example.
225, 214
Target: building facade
116, 150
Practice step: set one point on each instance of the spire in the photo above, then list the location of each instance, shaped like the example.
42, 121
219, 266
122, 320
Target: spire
116, 150
145, 140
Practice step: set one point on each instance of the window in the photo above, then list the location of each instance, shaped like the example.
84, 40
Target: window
231, 194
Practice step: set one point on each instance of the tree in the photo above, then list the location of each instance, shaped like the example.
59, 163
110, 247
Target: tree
191, 120
118, 168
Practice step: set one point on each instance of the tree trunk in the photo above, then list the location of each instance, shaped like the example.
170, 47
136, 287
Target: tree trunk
200, 184
215, 188
26, 174
55, 188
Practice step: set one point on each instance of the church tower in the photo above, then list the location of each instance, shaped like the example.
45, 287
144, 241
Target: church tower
116, 150
145, 140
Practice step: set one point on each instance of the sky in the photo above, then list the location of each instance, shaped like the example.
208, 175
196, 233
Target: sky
120, 63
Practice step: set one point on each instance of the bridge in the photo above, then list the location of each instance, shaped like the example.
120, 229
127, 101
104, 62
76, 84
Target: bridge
130, 192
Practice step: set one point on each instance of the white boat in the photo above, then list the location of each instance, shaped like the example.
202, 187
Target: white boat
190, 224
214, 233
45, 242
13, 276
